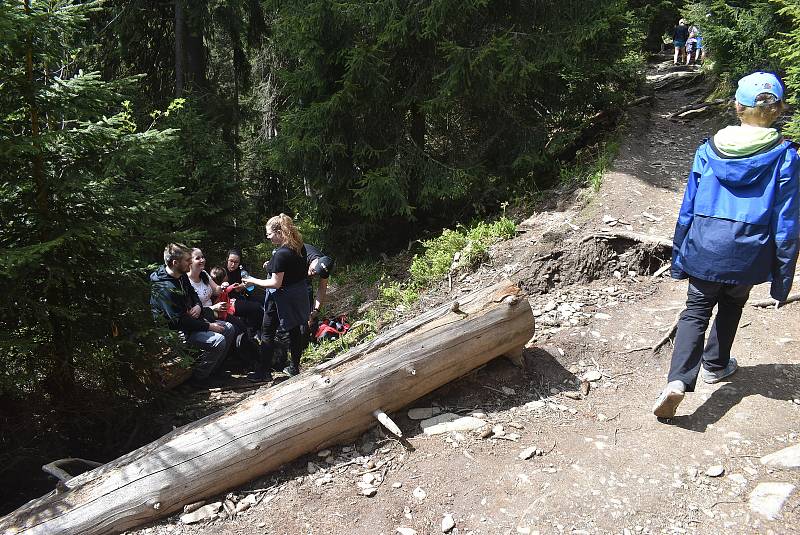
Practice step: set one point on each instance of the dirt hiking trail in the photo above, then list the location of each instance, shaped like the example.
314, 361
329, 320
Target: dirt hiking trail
597, 460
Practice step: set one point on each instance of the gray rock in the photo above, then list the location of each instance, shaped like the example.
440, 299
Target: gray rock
445, 423
715, 471
207, 512
785, 458
406, 531
767, 499
448, 523
739, 479
423, 413
535, 405
323, 453
246, 503
526, 454
592, 375
419, 494
369, 491
192, 507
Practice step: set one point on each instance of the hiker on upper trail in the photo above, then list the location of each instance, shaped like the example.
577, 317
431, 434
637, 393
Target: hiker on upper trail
738, 226
679, 37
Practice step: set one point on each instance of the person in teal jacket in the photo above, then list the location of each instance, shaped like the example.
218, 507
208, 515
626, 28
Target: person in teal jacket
738, 227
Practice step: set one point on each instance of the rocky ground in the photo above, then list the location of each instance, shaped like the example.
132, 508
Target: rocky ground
569, 445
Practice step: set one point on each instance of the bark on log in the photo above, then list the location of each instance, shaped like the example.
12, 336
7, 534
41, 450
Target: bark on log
325, 405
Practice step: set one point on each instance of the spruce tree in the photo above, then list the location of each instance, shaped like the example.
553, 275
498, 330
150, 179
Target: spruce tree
81, 208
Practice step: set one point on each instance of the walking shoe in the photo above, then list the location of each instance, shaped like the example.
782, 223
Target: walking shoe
291, 371
714, 377
259, 377
667, 403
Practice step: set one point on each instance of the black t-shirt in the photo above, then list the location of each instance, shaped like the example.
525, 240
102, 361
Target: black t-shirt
681, 33
291, 264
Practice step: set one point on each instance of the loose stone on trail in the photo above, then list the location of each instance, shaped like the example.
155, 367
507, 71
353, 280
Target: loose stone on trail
207, 512
445, 423
526, 454
715, 471
767, 499
785, 458
592, 375
448, 523
423, 413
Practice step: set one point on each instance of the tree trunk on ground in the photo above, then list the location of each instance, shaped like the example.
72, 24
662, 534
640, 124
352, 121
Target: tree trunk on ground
329, 404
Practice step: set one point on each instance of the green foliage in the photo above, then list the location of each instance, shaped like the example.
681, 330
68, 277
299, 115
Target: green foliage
404, 112
394, 293
457, 249
785, 48
82, 209
735, 35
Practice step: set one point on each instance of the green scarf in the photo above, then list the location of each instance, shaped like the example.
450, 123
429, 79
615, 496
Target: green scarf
744, 140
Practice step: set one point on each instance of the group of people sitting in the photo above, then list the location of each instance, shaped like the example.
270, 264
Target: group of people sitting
688, 44
214, 310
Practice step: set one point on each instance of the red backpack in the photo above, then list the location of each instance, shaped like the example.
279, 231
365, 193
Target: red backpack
332, 328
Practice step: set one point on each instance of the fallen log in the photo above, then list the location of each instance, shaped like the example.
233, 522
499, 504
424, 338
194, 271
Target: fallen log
328, 404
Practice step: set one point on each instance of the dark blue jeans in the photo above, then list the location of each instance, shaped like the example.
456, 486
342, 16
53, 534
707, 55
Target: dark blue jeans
689, 352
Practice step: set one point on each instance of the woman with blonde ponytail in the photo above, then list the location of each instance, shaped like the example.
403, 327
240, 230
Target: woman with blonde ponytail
286, 305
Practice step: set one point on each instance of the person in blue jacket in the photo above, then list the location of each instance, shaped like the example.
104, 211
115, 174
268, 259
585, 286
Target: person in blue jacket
737, 227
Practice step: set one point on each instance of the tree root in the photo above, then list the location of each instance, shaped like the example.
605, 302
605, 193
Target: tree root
765, 303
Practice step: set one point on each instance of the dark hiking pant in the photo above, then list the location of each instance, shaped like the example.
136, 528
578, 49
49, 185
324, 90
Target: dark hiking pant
689, 353
269, 328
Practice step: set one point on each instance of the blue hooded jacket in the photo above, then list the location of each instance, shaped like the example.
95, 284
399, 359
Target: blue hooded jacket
738, 223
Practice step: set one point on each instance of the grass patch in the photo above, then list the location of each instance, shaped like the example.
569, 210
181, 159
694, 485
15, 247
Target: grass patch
589, 166
457, 249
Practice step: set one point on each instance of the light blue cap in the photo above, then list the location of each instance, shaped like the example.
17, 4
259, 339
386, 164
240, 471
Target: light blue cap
754, 84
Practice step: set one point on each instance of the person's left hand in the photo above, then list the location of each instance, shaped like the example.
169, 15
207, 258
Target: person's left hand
195, 311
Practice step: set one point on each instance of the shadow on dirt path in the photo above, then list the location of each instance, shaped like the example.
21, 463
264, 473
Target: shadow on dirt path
766, 380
